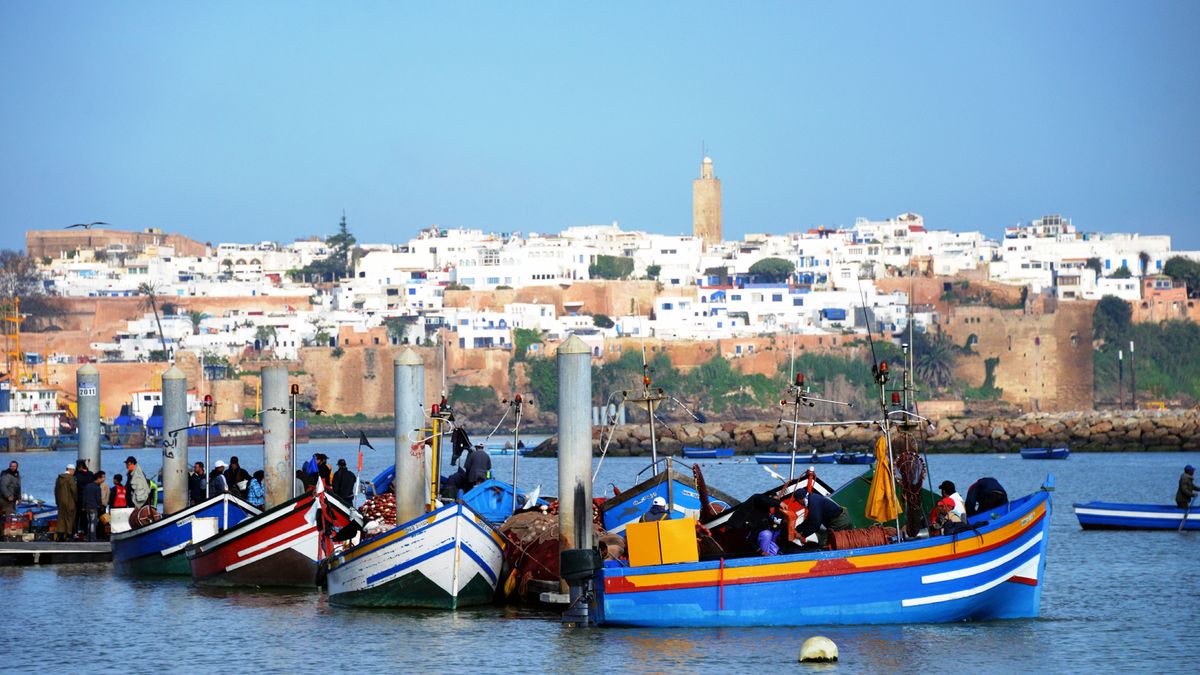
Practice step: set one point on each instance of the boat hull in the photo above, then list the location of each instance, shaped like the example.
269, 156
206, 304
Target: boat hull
678, 489
1045, 453
446, 559
280, 547
995, 572
493, 499
1116, 516
786, 458
707, 453
158, 548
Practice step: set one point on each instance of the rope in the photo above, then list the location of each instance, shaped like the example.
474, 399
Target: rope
497, 427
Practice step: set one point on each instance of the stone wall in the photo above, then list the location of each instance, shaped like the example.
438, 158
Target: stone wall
1151, 431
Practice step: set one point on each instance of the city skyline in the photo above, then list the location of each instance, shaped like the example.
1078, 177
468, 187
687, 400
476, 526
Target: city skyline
234, 123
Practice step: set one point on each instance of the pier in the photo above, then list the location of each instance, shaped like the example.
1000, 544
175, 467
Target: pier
25, 553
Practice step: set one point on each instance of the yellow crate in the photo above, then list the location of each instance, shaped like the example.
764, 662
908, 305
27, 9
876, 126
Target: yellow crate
663, 541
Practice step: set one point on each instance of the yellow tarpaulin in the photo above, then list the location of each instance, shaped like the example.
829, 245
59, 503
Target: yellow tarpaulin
882, 505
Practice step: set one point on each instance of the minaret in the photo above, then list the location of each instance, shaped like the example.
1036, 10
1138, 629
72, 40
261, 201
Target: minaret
706, 205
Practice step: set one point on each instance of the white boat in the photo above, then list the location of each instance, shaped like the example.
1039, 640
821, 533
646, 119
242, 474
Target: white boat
444, 559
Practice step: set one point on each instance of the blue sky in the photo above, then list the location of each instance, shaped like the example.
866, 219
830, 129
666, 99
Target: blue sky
254, 121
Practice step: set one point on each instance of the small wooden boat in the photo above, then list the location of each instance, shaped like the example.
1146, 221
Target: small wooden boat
855, 458
444, 559
993, 571
801, 458
1045, 453
1115, 516
678, 488
493, 499
157, 549
279, 547
707, 453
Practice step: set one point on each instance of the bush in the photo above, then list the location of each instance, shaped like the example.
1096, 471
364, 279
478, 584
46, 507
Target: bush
471, 395
610, 267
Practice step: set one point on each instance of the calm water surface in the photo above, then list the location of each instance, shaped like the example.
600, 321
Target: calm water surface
1112, 601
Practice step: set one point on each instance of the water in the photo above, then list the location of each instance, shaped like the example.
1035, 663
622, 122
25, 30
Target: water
1112, 602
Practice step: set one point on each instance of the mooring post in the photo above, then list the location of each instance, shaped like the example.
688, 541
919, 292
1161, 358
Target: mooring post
277, 446
175, 441
578, 558
87, 388
408, 399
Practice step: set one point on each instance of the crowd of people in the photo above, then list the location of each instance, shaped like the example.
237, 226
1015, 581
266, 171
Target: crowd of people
86, 499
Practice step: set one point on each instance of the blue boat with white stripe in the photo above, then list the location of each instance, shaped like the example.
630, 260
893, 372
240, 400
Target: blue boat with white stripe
993, 571
157, 549
1117, 516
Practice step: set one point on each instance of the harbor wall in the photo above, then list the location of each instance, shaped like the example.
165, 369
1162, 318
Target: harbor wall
1110, 431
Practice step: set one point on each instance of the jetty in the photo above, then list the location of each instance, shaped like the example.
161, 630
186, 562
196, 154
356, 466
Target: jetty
25, 553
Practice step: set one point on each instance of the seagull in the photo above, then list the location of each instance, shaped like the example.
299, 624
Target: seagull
86, 226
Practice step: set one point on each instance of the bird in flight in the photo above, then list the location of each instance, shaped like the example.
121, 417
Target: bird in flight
86, 226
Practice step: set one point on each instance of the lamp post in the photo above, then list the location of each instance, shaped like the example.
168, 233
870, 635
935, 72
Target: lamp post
208, 406
1132, 378
1120, 379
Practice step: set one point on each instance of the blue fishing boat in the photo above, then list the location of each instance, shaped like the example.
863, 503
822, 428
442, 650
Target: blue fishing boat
992, 571
678, 489
493, 499
801, 458
1115, 516
1045, 453
40, 514
157, 549
855, 458
707, 453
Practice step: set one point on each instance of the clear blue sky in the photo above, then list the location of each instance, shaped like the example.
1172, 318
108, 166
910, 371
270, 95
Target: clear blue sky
246, 121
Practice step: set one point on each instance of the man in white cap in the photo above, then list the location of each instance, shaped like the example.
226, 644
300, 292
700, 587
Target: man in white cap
66, 499
216, 480
658, 511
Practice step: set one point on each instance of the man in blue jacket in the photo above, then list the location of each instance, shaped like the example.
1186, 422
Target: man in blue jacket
93, 504
985, 494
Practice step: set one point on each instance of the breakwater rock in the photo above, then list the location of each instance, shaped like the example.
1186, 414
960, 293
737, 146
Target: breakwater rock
1108, 431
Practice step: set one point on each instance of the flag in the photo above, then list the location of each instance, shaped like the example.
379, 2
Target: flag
882, 504
362, 440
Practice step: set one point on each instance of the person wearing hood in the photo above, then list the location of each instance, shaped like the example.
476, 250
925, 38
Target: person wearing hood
83, 476
217, 485
237, 478
137, 488
66, 499
1187, 487
658, 511
10, 489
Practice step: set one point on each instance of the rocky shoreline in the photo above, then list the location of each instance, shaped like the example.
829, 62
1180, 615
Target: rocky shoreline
1107, 431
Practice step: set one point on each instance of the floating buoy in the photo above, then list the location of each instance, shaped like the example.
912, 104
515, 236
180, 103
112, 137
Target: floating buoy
818, 650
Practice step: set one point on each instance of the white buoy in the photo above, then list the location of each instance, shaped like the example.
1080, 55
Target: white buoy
818, 650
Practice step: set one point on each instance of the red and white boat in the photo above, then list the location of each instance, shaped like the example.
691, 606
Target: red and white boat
280, 547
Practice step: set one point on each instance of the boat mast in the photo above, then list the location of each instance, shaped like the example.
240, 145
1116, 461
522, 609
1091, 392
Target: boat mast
650, 397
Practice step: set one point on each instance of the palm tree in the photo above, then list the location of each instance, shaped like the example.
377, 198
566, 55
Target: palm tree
196, 316
935, 358
1144, 259
150, 292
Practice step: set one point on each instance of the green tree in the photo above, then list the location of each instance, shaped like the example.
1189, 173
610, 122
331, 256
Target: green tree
1121, 273
772, 270
149, 293
397, 328
522, 338
1111, 319
933, 360
1185, 270
611, 267
602, 321
196, 317
1094, 265
264, 335
18, 275
652, 271
543, 382
1144, 262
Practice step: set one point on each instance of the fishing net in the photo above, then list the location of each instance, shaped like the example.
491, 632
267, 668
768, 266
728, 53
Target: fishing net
910, 474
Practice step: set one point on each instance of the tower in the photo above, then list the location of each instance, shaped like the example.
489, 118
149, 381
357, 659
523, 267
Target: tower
706, 205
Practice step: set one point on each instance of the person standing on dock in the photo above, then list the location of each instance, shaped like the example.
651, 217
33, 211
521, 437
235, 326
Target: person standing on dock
93, 504
237, 478
197, 484
343, 483
66, 499
217, 485
83, 476
1187, 487
116, 496
137, 488
10, 489
256, 496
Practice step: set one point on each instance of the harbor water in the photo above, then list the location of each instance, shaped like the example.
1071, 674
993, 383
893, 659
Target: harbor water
1113, 601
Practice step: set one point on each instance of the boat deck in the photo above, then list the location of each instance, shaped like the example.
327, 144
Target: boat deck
21, 553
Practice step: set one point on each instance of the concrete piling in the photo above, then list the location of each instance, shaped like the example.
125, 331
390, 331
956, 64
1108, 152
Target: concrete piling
87, 383
175, 445
280, 483
575, 471
408, 398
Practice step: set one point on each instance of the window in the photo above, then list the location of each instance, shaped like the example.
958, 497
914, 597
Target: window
797, 302
777, 297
